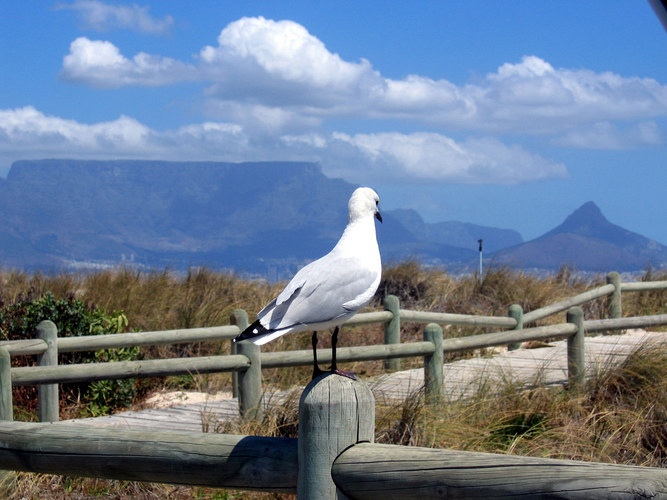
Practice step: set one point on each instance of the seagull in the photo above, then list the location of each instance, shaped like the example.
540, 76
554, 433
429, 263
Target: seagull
330, 290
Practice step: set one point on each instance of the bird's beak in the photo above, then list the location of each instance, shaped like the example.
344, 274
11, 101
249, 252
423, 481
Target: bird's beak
378, 216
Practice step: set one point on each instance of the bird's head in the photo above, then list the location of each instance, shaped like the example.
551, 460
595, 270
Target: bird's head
363, 202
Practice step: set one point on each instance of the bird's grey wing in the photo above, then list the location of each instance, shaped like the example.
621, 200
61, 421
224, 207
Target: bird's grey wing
323, 293
298, 281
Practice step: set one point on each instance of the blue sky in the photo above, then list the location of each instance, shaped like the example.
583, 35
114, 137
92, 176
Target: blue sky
502, 113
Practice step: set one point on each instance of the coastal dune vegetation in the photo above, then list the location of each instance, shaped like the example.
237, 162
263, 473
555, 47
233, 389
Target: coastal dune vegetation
619, 417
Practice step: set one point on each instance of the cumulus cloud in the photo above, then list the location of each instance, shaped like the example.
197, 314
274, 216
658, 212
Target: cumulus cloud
273, 48
29, 133
100, 16
264, 64
25, 128
261, 119
100, 64
534, 94
429, 156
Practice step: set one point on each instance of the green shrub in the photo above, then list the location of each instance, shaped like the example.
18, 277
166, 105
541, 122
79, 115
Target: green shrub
73, 318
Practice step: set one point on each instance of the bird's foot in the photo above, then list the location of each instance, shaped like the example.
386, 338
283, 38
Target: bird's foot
336, 371
317, 371
343, 373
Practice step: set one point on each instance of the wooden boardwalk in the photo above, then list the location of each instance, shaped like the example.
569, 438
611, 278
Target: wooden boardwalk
524, 367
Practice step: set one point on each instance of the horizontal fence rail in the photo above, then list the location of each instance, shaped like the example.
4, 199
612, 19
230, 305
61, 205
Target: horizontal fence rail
284, 359
182, 336
64, 374
363, 471
456, 319
322, 463
120, 340
564, 305
189, 458
369, 471
643, 286
601, 325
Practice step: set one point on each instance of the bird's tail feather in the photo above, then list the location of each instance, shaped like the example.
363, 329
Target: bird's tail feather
258, 334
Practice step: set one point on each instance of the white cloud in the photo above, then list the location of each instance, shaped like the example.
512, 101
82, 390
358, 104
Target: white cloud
606, 135
533, 97
431, 156
278, 68
24, 128
283, 50
273, 90
262, 119
28, 133
100, 64
101, 16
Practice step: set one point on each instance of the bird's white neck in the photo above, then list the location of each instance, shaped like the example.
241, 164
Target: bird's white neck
359, 230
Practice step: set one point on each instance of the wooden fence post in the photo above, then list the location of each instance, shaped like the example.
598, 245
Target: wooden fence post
615, 300
47, 395
516, 312
335, 412
239, 318
576, 352
250, 381
392, 329
6, 406
433, 369
7, 477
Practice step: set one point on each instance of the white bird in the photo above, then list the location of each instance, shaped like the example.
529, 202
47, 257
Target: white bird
327, 292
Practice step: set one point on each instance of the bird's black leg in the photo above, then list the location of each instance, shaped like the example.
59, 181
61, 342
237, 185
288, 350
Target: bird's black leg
334, 343
334, 366
316, 368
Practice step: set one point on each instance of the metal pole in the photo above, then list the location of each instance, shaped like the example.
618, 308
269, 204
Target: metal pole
480, 259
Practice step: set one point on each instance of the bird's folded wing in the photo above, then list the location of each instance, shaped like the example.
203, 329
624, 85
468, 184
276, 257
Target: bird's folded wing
322, 293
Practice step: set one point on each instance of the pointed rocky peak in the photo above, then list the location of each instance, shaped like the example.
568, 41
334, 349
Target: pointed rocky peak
587, 214
588, 221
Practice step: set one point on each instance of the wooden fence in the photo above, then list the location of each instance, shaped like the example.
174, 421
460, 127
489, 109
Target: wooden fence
334, 453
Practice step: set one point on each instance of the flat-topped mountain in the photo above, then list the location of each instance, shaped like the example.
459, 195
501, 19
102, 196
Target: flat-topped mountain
260, 217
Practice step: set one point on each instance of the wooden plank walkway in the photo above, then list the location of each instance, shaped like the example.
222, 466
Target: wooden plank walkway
523, 367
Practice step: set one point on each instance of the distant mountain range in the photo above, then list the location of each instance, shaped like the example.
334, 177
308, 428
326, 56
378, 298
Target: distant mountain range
263, 218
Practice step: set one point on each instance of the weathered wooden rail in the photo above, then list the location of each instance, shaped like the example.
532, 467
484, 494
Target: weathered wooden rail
334, 456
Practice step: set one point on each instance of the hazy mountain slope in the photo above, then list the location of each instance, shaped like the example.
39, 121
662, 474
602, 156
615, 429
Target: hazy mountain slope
587, 240
245, 216
457, 234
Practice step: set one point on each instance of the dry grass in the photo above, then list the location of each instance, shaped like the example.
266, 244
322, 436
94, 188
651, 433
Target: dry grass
620, 417
162, 300
46, 486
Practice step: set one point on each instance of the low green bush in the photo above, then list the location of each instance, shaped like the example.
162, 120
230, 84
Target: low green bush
19, 319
